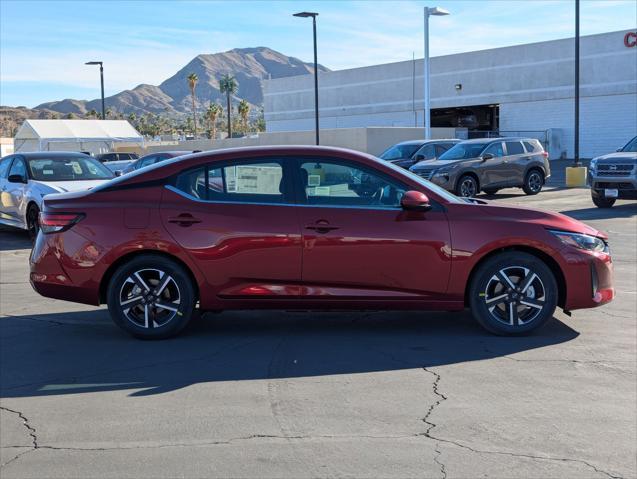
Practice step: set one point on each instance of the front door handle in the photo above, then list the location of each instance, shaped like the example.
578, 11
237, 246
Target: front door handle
184, 219
321, 227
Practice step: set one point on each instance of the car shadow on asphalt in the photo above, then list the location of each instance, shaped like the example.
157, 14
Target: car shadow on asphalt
70, 353
627, 210
14, 238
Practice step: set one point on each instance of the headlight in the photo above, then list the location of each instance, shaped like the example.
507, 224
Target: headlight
582, 241
593, 164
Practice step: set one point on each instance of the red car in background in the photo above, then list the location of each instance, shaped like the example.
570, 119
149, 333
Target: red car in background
308, 228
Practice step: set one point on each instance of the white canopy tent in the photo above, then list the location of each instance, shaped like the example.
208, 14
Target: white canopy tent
94, 136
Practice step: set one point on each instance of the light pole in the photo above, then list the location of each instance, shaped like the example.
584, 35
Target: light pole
102, 83
316, 104
437, 11
576, 139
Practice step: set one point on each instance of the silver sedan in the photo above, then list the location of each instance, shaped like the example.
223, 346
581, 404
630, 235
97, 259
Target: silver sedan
25, 178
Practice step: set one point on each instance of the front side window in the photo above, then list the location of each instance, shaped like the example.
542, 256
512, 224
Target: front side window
495, 149
428, 151
514, 148
258, 182
149, 160
18, 168
332, 183
631, 146
397, 152
68, 169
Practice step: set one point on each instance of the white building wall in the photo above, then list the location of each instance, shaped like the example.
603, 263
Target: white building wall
606, 122
520, 78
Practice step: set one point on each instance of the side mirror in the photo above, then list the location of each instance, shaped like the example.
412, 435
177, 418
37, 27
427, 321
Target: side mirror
419, 157
620, 148
17, 179
118, 173
487, 156
415, 201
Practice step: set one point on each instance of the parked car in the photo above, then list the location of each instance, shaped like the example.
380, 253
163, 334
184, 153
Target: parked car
614, 176
308, 228
25, 179
407, 153
153, 158
489, 165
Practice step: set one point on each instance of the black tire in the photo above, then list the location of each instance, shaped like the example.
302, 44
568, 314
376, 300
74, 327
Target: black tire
33, 224
161, 294
508, 311
600, 201
533, 182
490, 191
467, 186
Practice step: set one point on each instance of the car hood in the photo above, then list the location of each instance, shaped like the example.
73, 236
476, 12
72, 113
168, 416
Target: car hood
626, 156
436, 163
65, 186
547, 219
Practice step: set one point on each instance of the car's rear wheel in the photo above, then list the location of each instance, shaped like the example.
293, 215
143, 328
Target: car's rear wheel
513, 293
467, 187
600, 201
151, 297
490, 191
33, 225
533, 182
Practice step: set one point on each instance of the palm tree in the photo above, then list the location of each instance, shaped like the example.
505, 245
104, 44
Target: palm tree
228, 85
244, 111
192, 84
92, 113
109, 112
214, 110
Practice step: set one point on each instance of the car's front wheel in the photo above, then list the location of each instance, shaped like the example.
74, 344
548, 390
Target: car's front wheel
600, 201
513, 293
467, 187
151, 297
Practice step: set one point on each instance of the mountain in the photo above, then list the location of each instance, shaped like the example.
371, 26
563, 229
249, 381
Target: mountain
248, 65
12, 117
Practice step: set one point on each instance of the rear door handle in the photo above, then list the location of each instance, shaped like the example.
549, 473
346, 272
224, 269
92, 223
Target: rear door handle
184, 219
321, 227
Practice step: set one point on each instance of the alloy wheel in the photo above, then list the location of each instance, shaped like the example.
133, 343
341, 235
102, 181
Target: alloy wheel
535, 182
150, 298
32, 222
514, 295
468, 187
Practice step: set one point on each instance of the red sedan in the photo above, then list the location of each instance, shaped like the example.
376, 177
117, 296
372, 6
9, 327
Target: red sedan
308, 228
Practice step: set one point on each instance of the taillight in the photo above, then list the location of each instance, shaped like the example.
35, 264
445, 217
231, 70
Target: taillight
56, 222
545, 154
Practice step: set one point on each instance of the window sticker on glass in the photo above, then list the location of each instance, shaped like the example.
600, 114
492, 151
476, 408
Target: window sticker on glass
314, 180
77, 169
231, 179
322, 191
263, 180
47, 172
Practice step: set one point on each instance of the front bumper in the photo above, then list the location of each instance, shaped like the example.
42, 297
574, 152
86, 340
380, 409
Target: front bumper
589, 279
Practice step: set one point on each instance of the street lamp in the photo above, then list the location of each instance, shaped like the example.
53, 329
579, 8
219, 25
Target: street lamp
102, 83
437, 11
316, 104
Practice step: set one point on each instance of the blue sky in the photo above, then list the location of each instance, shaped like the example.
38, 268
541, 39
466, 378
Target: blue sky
44, 44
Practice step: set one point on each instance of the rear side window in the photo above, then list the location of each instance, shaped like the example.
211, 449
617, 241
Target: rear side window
532, 146
495, 149
258, 182
514, 148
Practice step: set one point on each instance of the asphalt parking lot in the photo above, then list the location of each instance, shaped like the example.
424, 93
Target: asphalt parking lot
288, 394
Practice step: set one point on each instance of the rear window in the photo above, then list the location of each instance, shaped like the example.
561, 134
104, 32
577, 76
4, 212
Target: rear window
74, 168
514, 148
532, 146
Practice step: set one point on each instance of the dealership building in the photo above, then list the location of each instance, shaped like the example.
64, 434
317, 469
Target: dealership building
519, 90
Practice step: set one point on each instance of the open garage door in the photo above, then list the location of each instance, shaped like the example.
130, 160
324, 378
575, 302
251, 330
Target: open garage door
476, 118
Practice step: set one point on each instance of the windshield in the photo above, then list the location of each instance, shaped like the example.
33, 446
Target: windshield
631, 146
397, 152
451, 198
71, 168
463, 151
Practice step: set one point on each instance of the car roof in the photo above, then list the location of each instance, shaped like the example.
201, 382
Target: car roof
423, 142
51, 154
172, 153
507, 138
